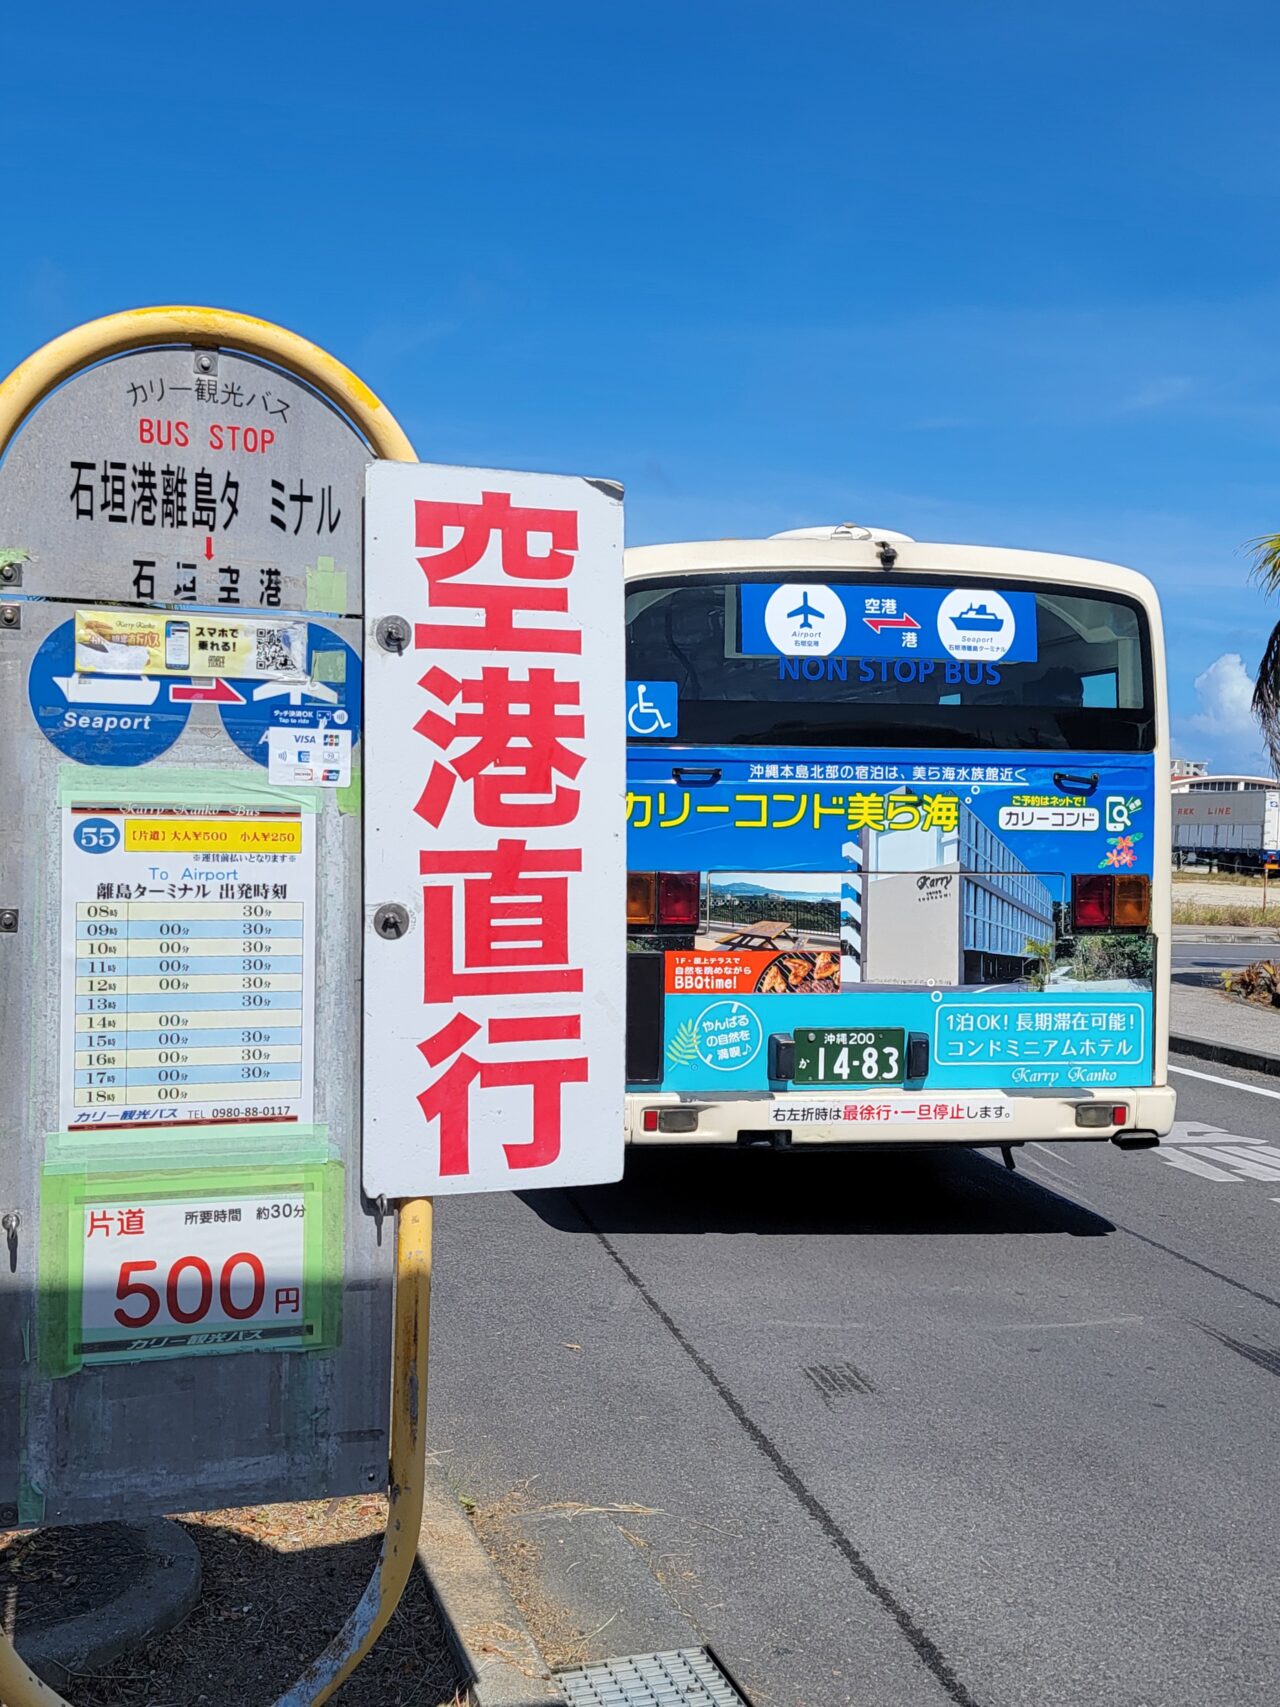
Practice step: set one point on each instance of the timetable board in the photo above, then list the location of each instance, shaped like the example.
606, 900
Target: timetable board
188, 966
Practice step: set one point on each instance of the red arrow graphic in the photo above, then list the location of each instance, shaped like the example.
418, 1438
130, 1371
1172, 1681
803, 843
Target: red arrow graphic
214, 692
208, 549
876, 623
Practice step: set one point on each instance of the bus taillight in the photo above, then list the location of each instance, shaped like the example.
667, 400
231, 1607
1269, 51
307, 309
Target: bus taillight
1133, 902
1092, 902
641, 897
679, 893
1101, 901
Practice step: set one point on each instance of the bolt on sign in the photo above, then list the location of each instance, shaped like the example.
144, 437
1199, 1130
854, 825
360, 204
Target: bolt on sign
180, 701
494, 850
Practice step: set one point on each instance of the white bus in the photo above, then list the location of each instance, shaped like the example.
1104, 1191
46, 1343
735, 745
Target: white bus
899, 845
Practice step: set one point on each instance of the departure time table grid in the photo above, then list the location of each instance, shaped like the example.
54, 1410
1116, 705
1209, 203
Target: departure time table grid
183, 1001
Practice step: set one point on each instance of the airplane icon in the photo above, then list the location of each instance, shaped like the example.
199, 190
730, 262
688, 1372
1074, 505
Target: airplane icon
805, 610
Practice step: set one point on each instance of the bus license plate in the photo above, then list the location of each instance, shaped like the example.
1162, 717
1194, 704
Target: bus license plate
866, 1057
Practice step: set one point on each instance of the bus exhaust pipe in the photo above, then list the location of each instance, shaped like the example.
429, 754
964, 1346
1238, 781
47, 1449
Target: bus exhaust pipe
753, 1139
1136, 1140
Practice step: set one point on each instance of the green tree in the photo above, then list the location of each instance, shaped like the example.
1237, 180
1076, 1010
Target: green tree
1040, 952
1266, 690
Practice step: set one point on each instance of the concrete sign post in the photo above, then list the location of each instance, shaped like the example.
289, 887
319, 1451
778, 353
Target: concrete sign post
494, 848
197, 1295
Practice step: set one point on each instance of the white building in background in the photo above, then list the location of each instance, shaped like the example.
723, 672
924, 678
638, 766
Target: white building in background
1198, 781
939, 908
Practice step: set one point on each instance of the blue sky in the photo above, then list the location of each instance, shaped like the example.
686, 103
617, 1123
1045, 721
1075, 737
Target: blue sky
998, 272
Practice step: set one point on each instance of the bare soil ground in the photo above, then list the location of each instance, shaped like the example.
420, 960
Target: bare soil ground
1227, 891
279, 1582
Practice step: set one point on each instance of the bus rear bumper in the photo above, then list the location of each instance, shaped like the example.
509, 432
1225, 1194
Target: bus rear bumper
791, 1119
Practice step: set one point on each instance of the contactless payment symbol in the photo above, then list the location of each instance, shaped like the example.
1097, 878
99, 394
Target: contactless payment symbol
976, 624
653, 710
101, 719
328, 696
805, 620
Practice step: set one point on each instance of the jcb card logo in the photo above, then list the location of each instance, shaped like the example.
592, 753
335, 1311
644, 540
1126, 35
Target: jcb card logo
805, 620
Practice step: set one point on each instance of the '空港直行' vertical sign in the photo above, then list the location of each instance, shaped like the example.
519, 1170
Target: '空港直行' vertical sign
494, 983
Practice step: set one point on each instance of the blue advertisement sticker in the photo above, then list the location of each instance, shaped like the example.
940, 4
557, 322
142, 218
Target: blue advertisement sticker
653, 710
100, 719
1075, 813
330, 696
978, 1039
812, 620
725, 1036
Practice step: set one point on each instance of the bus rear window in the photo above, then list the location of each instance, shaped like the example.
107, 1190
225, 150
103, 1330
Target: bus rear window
918, 662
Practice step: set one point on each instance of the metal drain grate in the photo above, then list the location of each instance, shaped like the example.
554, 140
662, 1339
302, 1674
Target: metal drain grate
690, 1678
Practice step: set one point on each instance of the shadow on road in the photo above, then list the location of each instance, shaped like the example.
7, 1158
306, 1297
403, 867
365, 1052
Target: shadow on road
944, 1192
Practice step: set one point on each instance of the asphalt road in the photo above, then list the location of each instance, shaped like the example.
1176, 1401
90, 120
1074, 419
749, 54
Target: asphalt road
902, 1430
1210, 958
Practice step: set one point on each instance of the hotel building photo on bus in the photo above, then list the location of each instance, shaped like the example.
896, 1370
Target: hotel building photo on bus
940, 907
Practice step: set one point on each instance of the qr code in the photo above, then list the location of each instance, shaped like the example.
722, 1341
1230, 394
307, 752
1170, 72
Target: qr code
276, 650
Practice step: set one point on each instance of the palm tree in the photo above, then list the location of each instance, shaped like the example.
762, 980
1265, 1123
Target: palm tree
1266, 690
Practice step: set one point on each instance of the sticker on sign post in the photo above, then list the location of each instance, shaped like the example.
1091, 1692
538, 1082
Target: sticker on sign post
155, 643
326, 697
494, 855
103, 719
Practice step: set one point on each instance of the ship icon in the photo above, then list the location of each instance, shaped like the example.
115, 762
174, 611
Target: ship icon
977, 619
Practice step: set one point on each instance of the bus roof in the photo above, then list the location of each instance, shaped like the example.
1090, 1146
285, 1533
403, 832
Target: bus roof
920, 556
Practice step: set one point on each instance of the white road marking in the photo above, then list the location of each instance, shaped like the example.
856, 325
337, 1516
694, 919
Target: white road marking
1247, 1161
1076, 1196
1232, 1084
1091, 1322
1193, 1165
1210, 1151
1196, 1132
1038, 1164
1056, 1154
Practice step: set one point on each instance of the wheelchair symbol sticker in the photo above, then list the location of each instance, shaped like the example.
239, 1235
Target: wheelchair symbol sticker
653, 710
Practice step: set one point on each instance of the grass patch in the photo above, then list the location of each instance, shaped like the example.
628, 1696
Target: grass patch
1240, 880
1223, 913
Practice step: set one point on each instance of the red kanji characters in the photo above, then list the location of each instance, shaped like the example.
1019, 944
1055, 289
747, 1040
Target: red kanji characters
515, 726
495, 513
448, 1098
515, 736
99, 1222
497, 604
515, 917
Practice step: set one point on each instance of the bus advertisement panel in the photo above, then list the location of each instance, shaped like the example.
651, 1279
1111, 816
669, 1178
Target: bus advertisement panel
898, 855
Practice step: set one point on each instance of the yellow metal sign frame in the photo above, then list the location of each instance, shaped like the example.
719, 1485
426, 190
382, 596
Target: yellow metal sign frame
24, 389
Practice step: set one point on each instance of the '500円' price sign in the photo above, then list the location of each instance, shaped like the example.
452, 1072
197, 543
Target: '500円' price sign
192, 1275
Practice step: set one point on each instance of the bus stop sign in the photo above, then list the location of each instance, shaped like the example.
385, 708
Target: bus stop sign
199, 1295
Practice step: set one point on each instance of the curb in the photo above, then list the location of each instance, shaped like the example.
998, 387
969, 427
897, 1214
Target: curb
484, 1624
1226, 1054
160, 1596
